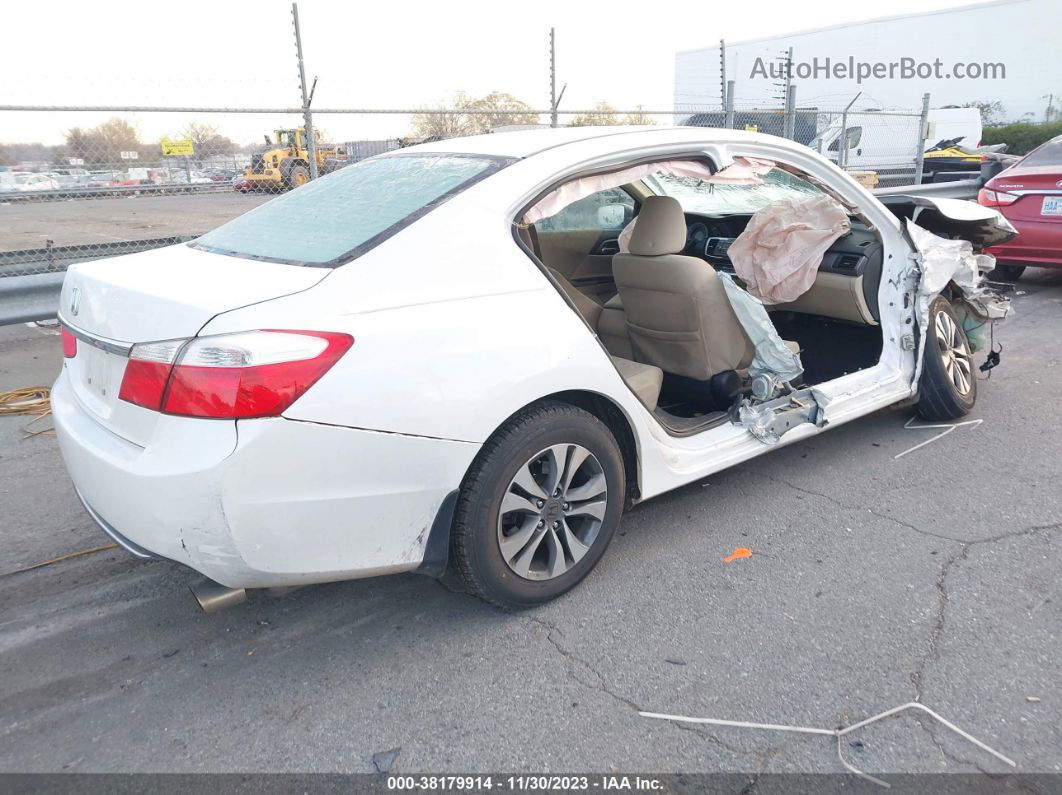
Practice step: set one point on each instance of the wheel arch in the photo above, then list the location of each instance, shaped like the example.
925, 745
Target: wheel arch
437, 547
618, 424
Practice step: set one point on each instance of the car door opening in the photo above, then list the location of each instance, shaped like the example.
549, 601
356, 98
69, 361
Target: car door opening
663, 303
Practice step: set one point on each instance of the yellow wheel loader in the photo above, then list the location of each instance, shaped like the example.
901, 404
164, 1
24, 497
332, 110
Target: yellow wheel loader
286, 161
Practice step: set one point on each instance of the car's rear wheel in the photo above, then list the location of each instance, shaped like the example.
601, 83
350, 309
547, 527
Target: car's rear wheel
538, 506
947, 388
1005, 272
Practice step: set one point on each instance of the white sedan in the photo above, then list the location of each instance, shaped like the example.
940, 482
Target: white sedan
479, 352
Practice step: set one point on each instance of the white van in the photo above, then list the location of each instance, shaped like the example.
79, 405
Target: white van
887, 142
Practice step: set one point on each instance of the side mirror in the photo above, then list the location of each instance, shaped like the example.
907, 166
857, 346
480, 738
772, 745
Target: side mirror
611, 216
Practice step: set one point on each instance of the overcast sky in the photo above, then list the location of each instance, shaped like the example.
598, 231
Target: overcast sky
373, 53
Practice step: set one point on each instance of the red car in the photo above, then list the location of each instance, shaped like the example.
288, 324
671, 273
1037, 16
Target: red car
1029, 194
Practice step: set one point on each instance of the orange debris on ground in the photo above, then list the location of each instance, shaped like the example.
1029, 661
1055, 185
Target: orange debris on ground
738, 554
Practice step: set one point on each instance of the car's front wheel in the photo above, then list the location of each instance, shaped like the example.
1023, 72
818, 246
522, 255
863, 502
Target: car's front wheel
947, 388
538, 506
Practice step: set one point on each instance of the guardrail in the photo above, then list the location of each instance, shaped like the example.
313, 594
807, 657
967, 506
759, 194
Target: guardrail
26, 298
29, 289
51, 259
959, 189
62, 194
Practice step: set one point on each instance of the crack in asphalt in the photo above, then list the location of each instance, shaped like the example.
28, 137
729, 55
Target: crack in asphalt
603, 685
578, 662
848, 506
933, 652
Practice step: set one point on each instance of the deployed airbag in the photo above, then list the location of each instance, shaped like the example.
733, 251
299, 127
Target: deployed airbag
773, 357
779, 253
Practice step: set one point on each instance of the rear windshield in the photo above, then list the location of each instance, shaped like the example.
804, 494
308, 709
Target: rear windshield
1050, 154
335, 218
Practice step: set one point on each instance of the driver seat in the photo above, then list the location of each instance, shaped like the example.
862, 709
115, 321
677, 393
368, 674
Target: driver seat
678, 315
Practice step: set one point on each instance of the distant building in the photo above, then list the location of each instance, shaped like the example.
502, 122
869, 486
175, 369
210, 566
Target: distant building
1012, 45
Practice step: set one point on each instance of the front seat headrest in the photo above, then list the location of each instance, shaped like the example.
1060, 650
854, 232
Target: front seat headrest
661, 228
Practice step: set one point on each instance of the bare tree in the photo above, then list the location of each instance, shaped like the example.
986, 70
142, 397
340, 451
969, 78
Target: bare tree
104, 143
602, 114
639, 117
206, 140
447, 121
496, 109
992, 113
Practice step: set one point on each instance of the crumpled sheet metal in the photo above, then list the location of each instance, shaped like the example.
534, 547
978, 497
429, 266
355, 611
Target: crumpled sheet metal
772, 356
943, 260
779, 253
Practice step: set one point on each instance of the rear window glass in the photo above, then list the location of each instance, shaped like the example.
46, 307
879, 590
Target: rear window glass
337, 217
1050, 154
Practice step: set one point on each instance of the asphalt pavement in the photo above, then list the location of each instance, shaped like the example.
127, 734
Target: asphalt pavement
30, 225
873, 581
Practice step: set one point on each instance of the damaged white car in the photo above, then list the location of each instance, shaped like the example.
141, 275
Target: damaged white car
479, 352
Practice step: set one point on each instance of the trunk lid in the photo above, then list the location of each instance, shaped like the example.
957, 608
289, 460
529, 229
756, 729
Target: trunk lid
162, 294
1039, 189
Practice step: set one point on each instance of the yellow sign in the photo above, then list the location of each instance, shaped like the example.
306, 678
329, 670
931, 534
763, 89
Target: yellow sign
748, 128
180, 148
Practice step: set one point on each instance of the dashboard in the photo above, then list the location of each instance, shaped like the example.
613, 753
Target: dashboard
857, 255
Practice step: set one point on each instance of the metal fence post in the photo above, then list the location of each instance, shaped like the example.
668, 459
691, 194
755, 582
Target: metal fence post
728, 120
789, 126
307, 116
923, 131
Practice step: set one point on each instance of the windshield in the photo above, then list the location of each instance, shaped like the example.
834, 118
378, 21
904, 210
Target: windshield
336, 218
697, 196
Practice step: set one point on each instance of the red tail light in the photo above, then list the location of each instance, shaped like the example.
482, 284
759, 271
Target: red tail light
230, 376
995, 198
69, 344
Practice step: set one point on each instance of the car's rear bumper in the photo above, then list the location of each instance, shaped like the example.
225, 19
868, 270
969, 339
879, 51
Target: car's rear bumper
1038, 243
266, 502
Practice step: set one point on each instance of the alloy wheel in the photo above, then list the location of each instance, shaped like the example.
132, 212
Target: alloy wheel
552, 512
954, 353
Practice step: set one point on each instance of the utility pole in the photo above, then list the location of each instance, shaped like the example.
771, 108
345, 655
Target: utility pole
307, 116
552, 78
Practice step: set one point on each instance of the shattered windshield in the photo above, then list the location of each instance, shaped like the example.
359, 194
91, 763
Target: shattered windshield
697, 196
333, 219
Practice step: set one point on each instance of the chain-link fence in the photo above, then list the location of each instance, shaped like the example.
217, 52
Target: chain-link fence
113, 181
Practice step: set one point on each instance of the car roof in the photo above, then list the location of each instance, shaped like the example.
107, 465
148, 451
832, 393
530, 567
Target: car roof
525, 143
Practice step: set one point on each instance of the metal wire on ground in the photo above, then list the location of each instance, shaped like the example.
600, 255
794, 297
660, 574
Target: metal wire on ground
838, 732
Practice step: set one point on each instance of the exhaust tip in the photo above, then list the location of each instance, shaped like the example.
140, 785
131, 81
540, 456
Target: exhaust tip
213, 596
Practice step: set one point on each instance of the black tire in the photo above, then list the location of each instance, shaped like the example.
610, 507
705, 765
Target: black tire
939, 398
476, 537
1005, 272
297, 176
